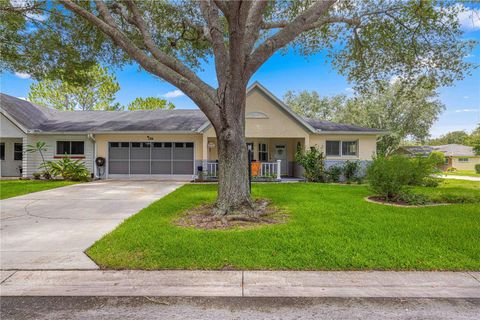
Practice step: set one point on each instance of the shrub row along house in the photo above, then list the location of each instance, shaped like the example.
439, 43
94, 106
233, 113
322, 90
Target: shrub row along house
171, 143
457, 156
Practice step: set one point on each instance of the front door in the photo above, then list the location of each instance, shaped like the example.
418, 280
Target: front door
281, 154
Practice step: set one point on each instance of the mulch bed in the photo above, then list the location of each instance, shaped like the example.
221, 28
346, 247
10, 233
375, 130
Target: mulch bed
262, 213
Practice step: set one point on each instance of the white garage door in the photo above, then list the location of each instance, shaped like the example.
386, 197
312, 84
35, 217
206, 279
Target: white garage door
151, 158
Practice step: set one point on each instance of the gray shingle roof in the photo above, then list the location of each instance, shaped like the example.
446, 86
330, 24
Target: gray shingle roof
38, 118
323, 125
455, 150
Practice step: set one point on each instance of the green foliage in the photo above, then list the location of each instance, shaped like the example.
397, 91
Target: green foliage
389, 177
40, 147
69, 169
453, 137
477, 168
150, 103
334, 173
414, 198
311, 105
350, 170
437, 157
97, 93
312, 162
37, 175
402, 108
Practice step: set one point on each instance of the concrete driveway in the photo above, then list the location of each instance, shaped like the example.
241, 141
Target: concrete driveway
52, 229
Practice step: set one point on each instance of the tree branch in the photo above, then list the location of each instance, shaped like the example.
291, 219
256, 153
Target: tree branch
201, 98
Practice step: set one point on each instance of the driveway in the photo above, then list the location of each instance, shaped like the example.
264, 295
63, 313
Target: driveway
459, 177
52, 229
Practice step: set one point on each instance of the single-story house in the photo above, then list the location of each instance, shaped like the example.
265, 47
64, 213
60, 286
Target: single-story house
457, 156
170, 143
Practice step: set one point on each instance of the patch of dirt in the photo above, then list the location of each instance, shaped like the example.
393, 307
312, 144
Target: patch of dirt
262, 213
400, 203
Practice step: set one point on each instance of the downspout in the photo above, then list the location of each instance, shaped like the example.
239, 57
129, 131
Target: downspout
92, 137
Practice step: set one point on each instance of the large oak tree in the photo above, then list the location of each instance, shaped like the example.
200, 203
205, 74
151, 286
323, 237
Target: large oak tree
365, 40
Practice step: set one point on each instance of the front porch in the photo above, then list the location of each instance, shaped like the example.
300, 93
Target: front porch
272, 158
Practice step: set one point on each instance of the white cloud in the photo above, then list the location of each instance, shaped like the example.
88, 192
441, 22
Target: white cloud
349, 90
469, 56
465, 110
174, 94
22, 75
469, 18
26, 4
23, 98
466, 97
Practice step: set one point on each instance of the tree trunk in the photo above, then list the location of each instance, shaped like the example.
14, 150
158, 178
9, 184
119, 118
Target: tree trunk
233, 184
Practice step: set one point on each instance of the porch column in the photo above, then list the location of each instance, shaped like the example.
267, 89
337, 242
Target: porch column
204, 151
279, 169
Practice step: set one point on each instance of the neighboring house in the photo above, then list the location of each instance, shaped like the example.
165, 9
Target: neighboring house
171, 143
457, 156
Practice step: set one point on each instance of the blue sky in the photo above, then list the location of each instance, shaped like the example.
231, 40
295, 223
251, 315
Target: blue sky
292, 72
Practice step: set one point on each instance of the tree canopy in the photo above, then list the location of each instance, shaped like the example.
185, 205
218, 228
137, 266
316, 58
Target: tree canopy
405, 110
96, 93
150, 103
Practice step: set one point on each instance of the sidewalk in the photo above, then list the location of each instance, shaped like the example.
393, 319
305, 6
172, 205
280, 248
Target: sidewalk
362, 284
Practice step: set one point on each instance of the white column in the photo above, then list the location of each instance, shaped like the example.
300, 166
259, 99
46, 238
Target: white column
279, 169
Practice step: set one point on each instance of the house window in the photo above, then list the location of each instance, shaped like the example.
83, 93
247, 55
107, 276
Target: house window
447, 161
349, 148
70, 147
463, 160
2, 151
18, 151
341, 148
262, 152
333, 148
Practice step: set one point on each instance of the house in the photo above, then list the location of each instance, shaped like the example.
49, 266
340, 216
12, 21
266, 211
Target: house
171, 143
457, 156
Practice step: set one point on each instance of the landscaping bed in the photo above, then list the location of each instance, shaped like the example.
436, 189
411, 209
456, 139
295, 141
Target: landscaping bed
13, 188
330, 227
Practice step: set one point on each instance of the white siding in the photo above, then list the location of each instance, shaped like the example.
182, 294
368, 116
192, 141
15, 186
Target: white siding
9, 129
10, 167
32, 161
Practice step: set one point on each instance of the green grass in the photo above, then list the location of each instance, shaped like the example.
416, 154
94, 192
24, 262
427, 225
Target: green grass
331, 227
467, 173
453, 191
13, 188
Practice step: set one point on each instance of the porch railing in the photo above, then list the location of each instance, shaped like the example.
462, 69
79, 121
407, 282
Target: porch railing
267, 170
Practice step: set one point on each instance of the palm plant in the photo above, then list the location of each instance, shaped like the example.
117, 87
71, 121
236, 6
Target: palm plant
40, 147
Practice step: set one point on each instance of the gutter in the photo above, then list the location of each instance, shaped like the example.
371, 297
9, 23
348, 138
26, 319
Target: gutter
381, 133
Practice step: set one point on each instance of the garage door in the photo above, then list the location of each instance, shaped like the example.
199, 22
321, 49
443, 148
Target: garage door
150, 158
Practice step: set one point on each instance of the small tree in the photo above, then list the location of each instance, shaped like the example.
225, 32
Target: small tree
40, 147
150, 103
312, 162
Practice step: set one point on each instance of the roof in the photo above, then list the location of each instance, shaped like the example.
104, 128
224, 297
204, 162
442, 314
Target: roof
41, 119
36, 118
450, 150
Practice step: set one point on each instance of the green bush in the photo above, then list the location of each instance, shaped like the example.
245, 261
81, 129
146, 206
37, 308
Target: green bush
36, 175
68, 169
437, 158
414, 198
312, 162
389, 177
334, 173
350, 170
477, 168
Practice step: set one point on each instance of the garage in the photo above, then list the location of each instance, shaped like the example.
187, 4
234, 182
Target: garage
151, 158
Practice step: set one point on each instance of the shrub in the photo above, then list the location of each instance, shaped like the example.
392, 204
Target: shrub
334, 173
437, 158
312, 162
68, 169
451, 169
414, 198
477, 168
389, 177
350, 170
36, 175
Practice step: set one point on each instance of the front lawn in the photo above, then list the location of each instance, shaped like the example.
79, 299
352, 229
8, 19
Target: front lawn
13, 188
331, 227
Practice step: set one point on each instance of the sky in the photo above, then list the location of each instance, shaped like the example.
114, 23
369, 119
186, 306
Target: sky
293, 72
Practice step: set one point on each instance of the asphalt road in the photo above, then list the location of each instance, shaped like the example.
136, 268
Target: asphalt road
235, 308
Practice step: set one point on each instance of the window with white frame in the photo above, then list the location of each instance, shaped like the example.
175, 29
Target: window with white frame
341, 148
70, 148
262, 152
463, 160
